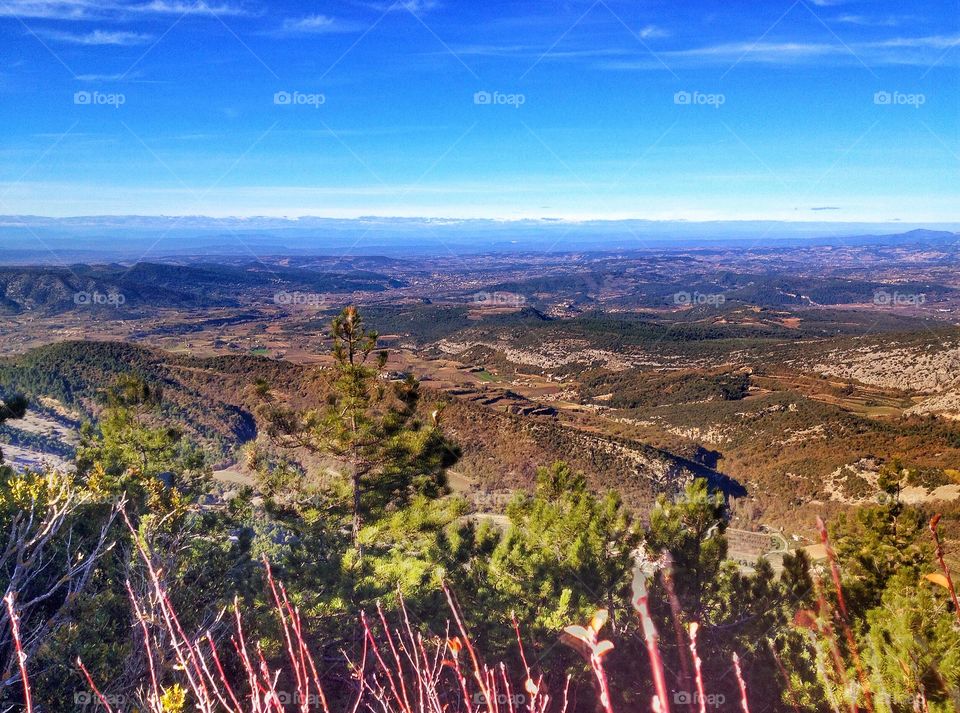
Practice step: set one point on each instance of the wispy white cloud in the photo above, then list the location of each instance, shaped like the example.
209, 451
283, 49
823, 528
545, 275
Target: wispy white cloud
937, 42
534, 51
865, 21
630, 57
178, 7
85, 10
134, 77
419, 6
415, 6
50, 9
496, 50
312, 25
100, 77
97, 37
893, 51
651, 32
761, 51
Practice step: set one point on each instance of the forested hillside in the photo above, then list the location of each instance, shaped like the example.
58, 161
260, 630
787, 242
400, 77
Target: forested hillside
361, 576
143, 285
214, 400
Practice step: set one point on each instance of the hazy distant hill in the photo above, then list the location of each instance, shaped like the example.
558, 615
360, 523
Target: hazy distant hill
647, 288
142, 285
43, 239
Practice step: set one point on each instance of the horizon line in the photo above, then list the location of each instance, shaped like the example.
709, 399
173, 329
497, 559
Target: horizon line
893, 222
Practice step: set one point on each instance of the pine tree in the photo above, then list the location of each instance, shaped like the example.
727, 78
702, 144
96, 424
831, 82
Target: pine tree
567, 552
691, 529
371, 425
913, 647
132, 451
874, 543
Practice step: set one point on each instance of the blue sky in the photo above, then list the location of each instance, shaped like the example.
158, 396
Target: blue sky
807, 110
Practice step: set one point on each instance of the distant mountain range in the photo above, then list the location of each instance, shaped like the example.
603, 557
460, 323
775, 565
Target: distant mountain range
35, 239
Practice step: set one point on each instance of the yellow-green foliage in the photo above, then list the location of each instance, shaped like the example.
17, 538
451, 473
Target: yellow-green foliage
174, 699
20, 492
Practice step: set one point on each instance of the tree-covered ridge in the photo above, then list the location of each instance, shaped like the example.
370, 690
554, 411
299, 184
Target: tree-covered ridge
147, 286
623, 390
653, 286
215, 401
205, 396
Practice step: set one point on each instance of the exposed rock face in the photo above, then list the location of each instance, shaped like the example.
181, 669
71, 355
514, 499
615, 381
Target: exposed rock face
550, 355
945, 404
929, 369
